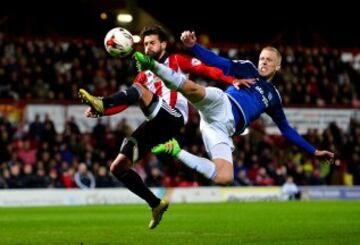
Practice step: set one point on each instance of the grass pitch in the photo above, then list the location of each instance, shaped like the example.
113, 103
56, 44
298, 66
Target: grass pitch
330, 222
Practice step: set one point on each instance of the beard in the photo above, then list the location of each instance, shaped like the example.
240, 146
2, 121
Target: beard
154, 55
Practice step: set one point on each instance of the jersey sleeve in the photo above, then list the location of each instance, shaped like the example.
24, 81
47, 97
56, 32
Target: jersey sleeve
212, 59
196, 67
278, 116
243, 69
235, 68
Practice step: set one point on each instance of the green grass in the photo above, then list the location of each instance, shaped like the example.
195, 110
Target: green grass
330, 222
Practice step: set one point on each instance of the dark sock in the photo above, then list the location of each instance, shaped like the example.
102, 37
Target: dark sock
135, 184
127, 97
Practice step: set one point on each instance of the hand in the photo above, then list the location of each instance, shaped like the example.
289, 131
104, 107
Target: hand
89, 112
329, 157
188, 38
244, 82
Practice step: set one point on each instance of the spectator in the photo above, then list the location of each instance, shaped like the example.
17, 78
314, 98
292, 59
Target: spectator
55, 181
290, 190
15, 180
68, 177
36, 128
84, 179
29, 179
103, 179
3, 178
27, 154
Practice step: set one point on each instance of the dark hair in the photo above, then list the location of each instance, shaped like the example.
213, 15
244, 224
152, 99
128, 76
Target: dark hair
154, 30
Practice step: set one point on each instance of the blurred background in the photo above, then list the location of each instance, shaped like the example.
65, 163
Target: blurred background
50, 49
298, 23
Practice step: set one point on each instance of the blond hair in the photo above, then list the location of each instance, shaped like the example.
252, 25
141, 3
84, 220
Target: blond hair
276, 51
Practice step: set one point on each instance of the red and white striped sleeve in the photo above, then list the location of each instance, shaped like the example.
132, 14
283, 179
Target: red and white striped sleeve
194, 66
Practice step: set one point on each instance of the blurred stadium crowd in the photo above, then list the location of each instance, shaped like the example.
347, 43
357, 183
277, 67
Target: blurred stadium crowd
47, 69
37, 156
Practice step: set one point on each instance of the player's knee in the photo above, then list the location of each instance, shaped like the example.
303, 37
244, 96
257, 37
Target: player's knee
114, 168
193, 91
119, 165
224, 168
130, 149
224, 179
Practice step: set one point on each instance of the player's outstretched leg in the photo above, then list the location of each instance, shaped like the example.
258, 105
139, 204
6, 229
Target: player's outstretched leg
200, 164
144, 62
170, 147
158, 212
94, 102
172, 79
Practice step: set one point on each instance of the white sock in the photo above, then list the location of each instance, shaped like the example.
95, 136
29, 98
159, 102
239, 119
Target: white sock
200, 164
171, 78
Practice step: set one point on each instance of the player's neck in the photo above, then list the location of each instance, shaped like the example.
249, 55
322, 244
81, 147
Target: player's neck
162, 57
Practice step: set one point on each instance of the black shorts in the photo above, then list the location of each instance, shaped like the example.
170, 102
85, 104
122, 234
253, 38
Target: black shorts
165, 125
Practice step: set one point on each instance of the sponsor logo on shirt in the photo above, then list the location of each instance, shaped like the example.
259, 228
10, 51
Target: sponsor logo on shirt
263, 97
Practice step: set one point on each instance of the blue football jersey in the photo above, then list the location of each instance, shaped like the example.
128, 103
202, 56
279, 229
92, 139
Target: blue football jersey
250, 103
259, 98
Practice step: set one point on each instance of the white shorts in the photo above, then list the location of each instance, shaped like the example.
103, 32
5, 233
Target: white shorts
217, 123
